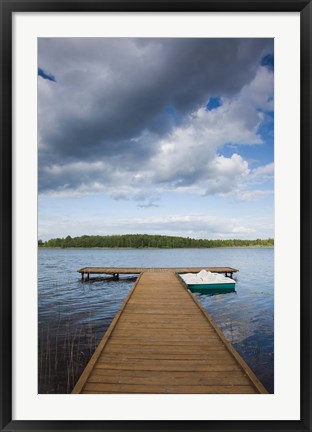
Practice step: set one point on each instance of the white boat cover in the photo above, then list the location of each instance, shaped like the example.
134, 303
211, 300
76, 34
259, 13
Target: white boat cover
205, 277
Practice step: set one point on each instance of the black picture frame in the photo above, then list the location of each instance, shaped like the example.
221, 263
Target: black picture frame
8, 7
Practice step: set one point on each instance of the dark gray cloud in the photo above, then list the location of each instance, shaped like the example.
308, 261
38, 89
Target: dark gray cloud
115, 99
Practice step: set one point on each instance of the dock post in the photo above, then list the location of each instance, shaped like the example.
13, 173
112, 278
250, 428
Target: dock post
82, 276
88, 276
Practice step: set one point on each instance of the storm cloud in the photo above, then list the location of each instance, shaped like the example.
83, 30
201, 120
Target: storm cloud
129, 117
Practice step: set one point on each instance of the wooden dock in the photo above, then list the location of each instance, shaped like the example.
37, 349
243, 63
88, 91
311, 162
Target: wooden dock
116, 271
163, 341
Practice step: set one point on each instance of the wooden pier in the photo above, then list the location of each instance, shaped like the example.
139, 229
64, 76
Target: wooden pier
116, 271
163, 341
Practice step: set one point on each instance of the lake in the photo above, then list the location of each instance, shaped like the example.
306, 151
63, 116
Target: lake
73, 317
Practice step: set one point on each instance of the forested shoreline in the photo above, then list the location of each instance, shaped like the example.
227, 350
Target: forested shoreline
140, 241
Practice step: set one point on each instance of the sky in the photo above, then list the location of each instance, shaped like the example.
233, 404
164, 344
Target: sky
157, 136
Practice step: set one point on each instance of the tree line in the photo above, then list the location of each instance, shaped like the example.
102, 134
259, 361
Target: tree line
148, 241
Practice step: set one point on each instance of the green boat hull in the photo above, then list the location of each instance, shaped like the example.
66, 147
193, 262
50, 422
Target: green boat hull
212, 286
212, 289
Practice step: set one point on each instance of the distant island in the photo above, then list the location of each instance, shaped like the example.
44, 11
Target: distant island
140, 241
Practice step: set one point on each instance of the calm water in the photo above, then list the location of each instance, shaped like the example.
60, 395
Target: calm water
74, 316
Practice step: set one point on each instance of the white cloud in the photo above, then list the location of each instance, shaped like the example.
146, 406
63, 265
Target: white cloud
253, 194
188, 156
195, 226
263, 173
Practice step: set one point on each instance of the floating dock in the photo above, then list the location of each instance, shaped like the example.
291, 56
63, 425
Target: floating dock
116, 271
163, 341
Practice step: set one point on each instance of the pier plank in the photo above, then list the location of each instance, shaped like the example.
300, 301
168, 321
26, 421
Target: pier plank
192, 378
92, 388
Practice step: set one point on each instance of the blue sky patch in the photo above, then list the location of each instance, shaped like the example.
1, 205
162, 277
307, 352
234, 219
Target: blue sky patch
213, 103
46, 75
172, 113
268, 61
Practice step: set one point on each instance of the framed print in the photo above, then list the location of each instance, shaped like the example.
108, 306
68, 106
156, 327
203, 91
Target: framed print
155, 215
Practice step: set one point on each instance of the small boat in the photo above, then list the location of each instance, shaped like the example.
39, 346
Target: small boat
205, 280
